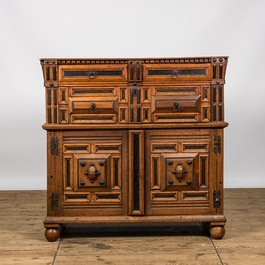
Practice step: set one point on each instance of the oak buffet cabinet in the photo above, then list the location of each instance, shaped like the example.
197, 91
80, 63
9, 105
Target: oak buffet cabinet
134, 141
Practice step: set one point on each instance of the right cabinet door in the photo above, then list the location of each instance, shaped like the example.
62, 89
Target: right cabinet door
180, 172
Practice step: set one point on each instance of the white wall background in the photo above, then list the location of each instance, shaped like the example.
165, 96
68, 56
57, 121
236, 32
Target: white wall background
31, 29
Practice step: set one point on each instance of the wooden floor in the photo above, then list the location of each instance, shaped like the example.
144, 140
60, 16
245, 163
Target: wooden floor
22, 240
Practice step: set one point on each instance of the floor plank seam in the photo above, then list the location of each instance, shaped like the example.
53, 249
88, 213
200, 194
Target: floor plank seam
56, 252
216, 251
58, 247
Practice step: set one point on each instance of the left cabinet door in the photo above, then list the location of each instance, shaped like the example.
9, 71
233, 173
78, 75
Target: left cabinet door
89, 173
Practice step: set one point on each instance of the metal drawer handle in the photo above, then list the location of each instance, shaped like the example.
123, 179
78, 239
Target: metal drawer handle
93, 106
176, 106
174, 74
91, 75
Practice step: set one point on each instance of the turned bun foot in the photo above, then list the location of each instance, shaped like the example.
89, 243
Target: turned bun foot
217, 232
52, 234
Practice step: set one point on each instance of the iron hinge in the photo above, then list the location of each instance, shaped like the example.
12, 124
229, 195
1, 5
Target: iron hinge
217, 144
217, 199
54, 201
54, 146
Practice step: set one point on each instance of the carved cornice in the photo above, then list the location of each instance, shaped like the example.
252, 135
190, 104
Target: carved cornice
190, 60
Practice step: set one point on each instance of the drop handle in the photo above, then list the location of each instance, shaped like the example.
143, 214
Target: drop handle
93, 106
92, 173
91, 75
176, 106
179, 171
174, 74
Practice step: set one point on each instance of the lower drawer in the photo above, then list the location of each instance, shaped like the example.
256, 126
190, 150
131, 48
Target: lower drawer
175, 117
93, 118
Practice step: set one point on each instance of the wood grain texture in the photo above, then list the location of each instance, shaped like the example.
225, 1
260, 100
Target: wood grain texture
22, 239
244, 241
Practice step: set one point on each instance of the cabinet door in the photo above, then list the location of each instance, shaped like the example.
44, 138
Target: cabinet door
178, 172
94, 172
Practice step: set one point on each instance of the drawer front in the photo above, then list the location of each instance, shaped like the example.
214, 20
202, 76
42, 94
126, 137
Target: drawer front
176, 109
176, 73
173, 104
92, 91
180, 103
93, 105
93, 73
93, 110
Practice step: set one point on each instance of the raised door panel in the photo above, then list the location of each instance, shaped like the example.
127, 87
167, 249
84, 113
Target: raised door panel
179, 170
94, 173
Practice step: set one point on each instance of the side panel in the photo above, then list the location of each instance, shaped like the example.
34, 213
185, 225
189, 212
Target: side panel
54, 170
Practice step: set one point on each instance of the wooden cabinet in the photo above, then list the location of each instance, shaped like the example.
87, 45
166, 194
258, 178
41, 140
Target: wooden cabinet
134, 141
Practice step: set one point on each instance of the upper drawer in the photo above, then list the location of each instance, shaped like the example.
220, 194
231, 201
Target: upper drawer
92, 91
175, 73
93, 73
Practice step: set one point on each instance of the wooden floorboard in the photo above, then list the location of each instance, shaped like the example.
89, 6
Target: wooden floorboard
244, 242
21, 229
23, 242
